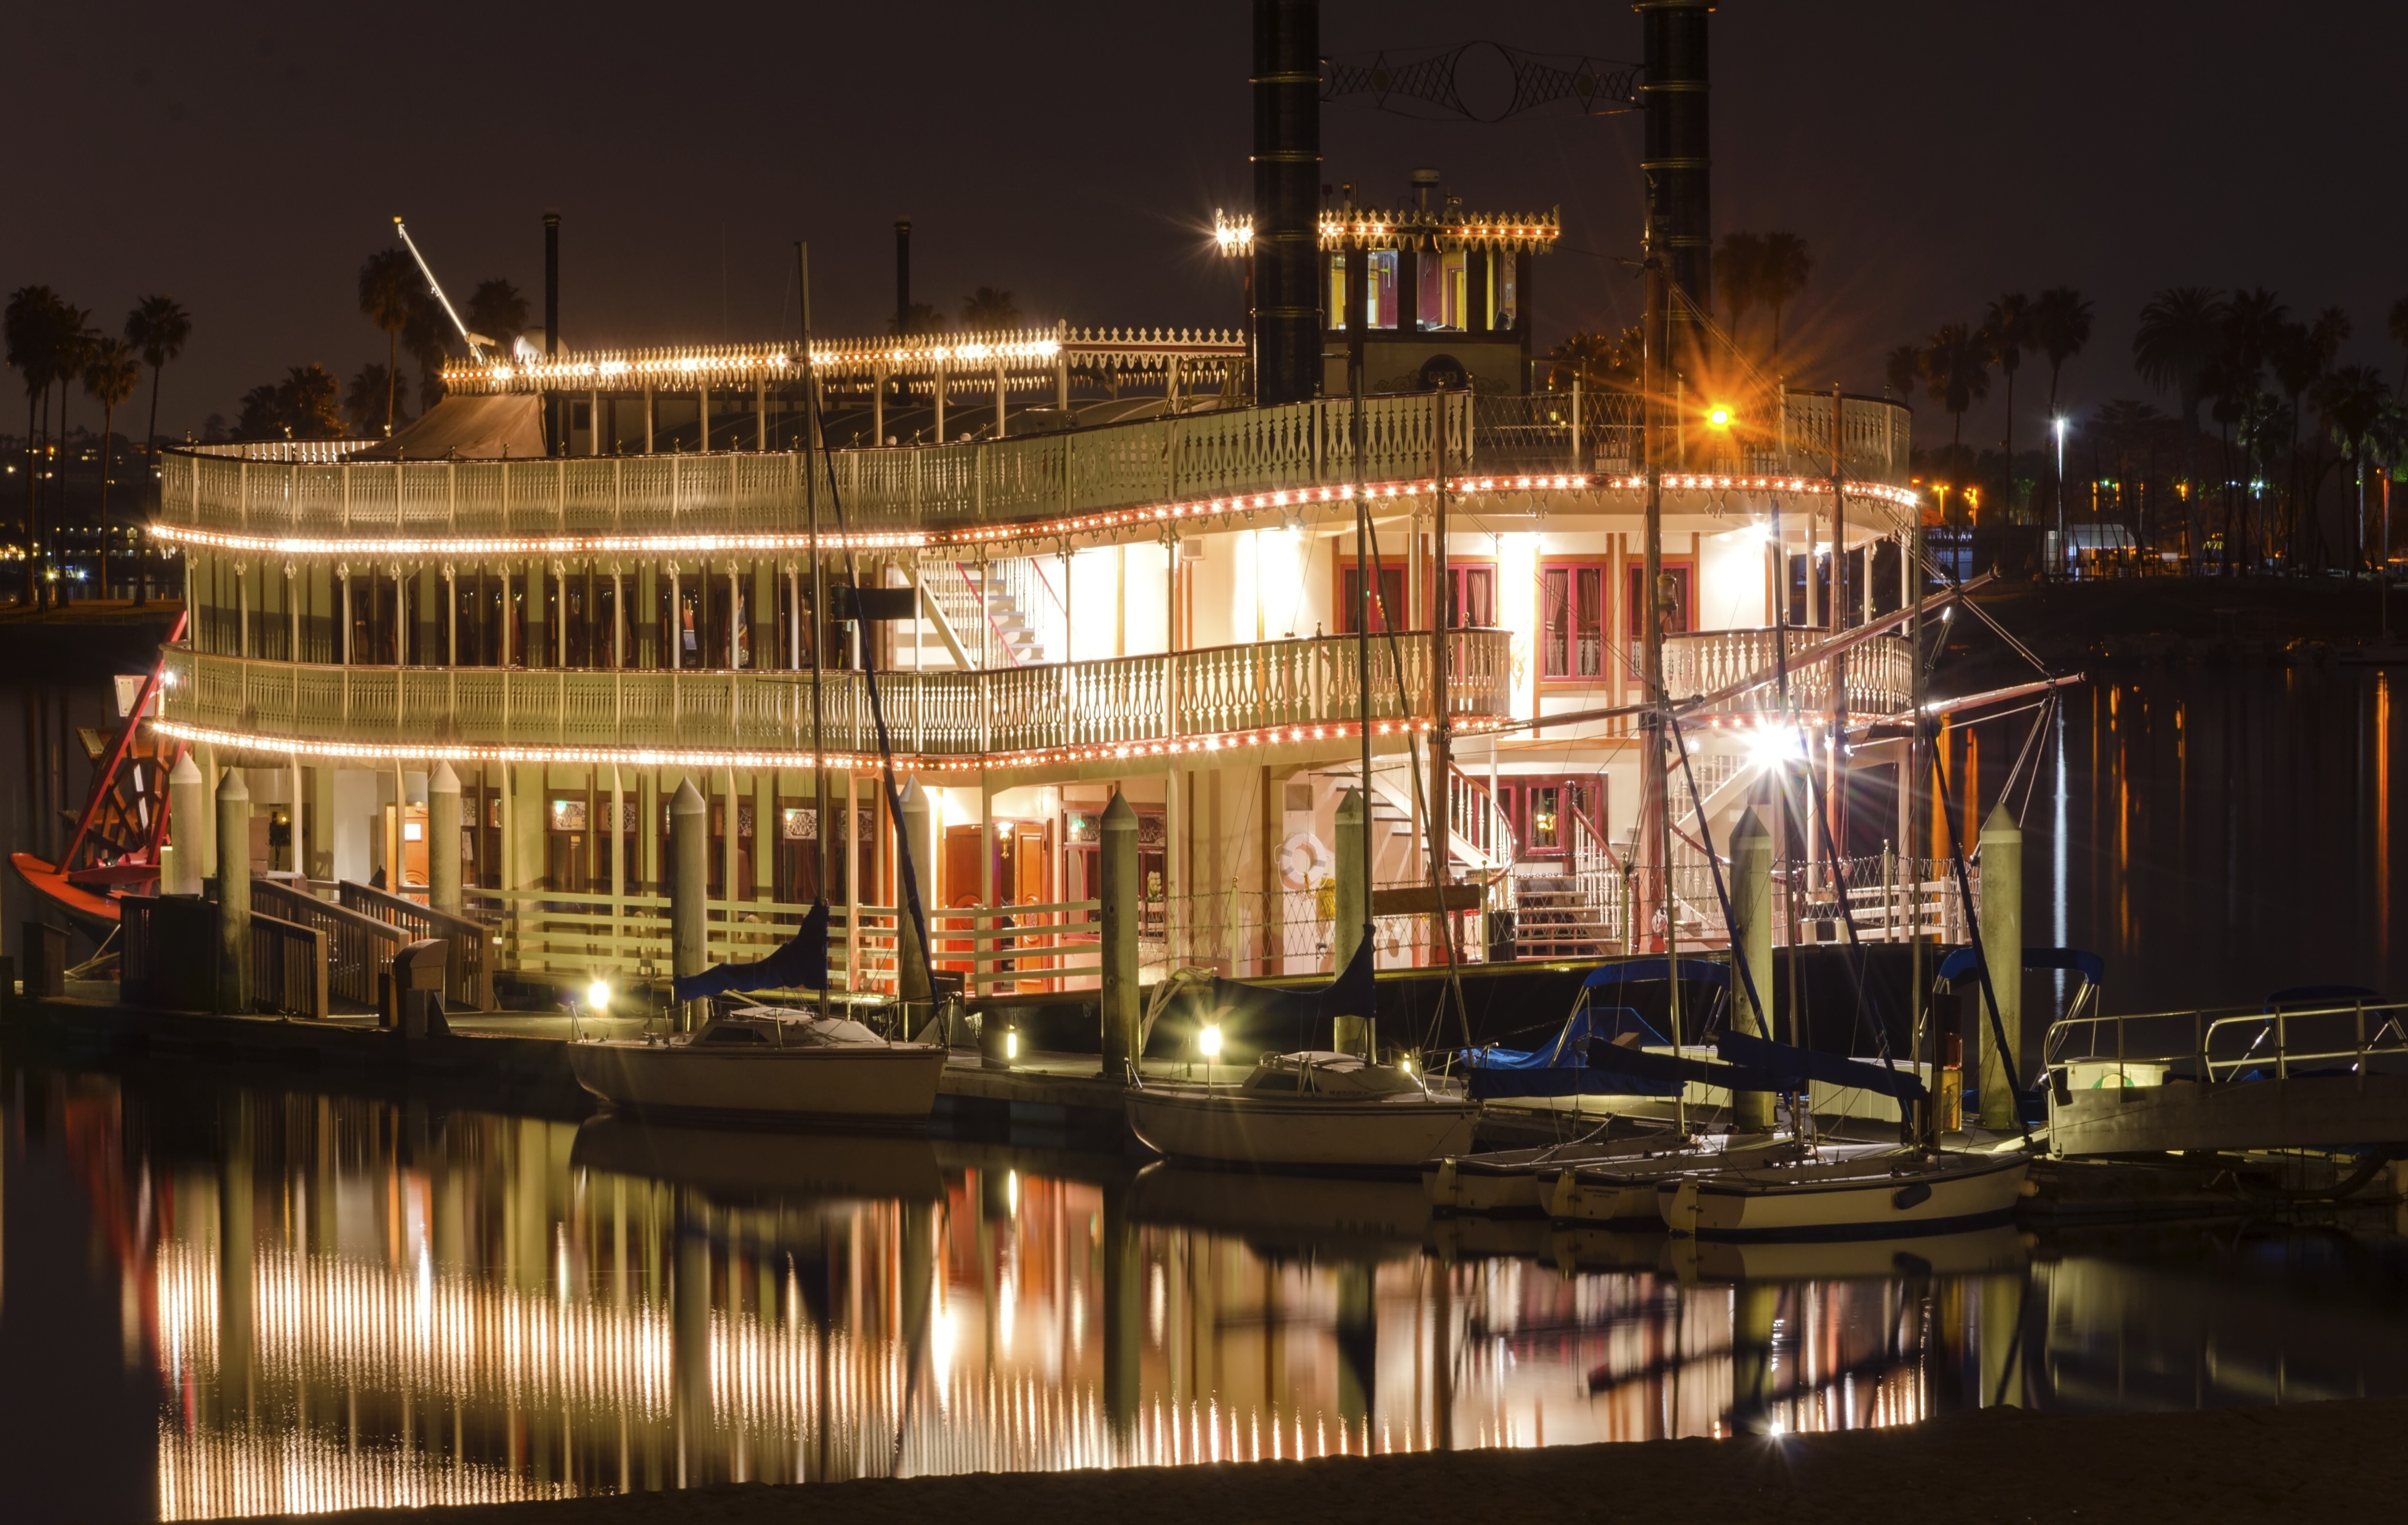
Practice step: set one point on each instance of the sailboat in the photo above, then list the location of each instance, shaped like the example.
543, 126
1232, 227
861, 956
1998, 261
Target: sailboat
1310, 1109
777, 1064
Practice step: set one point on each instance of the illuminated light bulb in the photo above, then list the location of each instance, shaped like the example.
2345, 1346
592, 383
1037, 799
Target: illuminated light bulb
1208, 1041
597, 995
1011, 1043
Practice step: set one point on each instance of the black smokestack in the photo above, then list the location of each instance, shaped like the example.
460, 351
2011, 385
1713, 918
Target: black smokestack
1679, 156
1287, 175
550, 283
902, 275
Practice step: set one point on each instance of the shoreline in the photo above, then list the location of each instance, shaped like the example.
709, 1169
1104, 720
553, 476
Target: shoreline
2002, 1464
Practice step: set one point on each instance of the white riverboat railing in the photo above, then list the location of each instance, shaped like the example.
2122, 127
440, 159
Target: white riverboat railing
307, 489
1129, 699
1879, 678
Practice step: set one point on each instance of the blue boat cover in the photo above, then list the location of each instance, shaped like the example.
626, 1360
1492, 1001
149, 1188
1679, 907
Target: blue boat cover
2320, 995
1350, 994
1794, 1065
802, 964
1632, 1072
1963, 961
1641, 970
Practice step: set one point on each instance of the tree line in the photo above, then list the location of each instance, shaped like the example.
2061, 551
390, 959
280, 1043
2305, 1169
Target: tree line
2287, 418
54, 348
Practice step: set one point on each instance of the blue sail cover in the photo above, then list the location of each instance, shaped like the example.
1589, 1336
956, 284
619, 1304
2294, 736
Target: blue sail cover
1963, 961
1350, 994
1643, 970
1793, 1066
802, 964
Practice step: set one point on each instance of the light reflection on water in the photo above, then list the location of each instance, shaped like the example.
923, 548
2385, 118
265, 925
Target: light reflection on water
347, 1302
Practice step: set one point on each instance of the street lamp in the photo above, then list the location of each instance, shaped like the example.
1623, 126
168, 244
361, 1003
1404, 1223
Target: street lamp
2056, 426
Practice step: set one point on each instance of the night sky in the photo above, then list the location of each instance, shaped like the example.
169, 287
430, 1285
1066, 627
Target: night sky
1934, 153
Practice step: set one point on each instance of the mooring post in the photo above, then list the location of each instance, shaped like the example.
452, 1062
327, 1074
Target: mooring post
188, 807
2002, 949
1751, 890
234, 893
443, 840
1122, 898
689, 888
916, 836
1351, 916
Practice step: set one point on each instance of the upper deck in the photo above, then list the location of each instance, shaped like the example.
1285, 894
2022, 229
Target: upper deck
1121, 481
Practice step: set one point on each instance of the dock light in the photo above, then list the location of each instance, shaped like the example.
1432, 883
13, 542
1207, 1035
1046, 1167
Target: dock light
1208, 1041
1406, 1064
1011, 1043
1719, 415
597, 995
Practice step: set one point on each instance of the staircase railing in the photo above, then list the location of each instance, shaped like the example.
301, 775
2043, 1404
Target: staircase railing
468, 972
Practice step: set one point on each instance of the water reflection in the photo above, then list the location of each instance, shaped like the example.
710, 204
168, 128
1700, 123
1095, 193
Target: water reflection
2218, 833
351, 1302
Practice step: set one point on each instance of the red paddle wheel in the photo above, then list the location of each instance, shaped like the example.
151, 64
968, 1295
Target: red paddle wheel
115, 847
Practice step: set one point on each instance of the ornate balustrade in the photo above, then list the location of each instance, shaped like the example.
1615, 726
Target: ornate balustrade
910, 491
1125, 700
1704, 661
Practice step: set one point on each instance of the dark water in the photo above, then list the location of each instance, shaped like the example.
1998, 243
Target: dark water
234, 1293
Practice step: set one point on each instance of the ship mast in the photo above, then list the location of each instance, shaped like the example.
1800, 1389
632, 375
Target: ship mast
811, 445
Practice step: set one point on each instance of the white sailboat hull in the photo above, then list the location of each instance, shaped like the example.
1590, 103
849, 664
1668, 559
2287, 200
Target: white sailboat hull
1870, 1199
1393, 1133
889, 1086
1626, 1193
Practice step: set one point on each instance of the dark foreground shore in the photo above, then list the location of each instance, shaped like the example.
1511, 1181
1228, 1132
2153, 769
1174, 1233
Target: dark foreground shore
2304, 1461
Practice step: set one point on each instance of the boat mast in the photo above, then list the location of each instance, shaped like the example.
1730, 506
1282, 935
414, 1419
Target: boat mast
819, 601
1654, 796
1366, 573
1911, 548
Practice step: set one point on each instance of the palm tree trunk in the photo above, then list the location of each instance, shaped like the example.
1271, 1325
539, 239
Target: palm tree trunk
391, 377
59, 482
2010, 493
30, 459
108, 421
2191, 548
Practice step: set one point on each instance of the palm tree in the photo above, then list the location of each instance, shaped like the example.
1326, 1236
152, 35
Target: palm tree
2353, 400
1956, 373
2253, 326
1738, 264
159, 327
497, 313
306, 402
990, 309
2179, 333
1781, 275
428, 334
260, 415
1904, 370
72, 343
2060, 326
370, 396
390, 290
2007, 330
110, 374
33, 314
1599, 361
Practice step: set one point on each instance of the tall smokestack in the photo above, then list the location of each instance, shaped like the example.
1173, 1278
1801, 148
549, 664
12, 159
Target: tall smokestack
1288, 178
552, 283
902, 275
1679, 155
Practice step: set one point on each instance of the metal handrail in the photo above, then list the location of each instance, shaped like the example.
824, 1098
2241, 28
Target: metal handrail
2207, 1023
